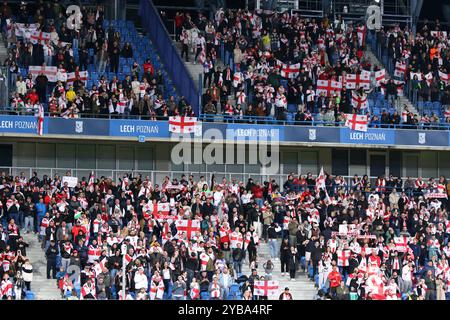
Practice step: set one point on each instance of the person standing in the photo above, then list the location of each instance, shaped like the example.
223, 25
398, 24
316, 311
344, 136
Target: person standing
238, 256
41, 87
285, 256
178, 289
29, 214
27, 272
184, 38
407, 271
51, 254
273, 242
335, 279
293, 263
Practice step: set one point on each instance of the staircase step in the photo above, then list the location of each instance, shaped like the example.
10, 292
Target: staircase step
43, 288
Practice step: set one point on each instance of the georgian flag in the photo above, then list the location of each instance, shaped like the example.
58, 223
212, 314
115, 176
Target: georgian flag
188, 227
290, 71
72, 76
380, 76
39, 36
162, 207
400, 85
358, 101
182, 124
265, 288
418, 74
91, 182
439, 34
356, 122
49, 72
400, 69
320, 181
40, 120
444, 77
356, 81
328, 87
22, 31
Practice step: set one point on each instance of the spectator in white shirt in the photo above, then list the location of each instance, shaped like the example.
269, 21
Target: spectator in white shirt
140, 280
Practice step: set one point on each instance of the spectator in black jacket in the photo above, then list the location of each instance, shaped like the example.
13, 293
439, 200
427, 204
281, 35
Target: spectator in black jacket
285, 256
316, 255
51, 253
238, 256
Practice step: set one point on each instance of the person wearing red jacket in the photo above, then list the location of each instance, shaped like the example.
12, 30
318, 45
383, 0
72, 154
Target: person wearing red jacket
335, 279
33, 96
257, 191
148, 66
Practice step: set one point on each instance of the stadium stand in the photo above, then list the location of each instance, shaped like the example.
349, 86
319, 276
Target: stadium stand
207, 235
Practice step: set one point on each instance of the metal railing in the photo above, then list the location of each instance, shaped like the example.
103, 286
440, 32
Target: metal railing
313, 122
157, 176
223, 118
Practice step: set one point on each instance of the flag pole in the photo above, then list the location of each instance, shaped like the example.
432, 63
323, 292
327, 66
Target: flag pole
124, 252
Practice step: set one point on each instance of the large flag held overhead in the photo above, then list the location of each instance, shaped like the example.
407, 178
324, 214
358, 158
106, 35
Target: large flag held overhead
182, 124
320, 181
49, 72
188, 227
359, 101
400, 69
356, 81
265, 288
39, 36
328, 87
288, 70
356, 122
72, 76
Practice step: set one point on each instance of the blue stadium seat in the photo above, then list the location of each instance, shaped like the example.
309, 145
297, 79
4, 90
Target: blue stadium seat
292, 108
29, 295
205, 295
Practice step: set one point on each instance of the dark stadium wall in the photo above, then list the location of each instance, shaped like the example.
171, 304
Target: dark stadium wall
119, 157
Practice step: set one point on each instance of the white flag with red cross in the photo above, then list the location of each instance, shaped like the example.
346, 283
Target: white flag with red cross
418, 74
265, 288
320, 181
290, 71
400, 69
188, 227
328, 87
444, 77
40, 124
356, 122
72, 76
49, 72
359, 101
160, 211
380, 76
39, 37
356, 81
182, 124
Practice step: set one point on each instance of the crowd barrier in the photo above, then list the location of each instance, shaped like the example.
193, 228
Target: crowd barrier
141, 129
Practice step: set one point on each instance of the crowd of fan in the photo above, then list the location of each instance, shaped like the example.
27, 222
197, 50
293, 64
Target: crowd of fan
427, 59
140, 93
251, 86
253, 42
385, 239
